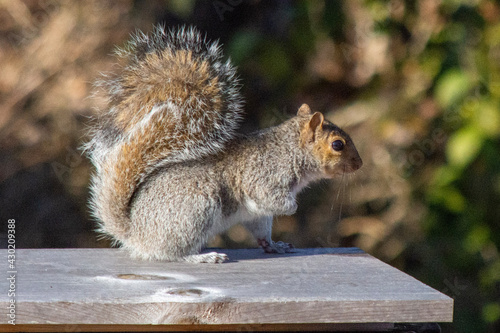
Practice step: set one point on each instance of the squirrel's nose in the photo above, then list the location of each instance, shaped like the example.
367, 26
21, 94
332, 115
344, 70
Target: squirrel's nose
357, 163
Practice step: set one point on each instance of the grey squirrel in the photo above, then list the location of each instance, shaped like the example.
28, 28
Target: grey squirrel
170, 170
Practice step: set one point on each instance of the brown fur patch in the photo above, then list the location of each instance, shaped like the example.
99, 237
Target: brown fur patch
175, 76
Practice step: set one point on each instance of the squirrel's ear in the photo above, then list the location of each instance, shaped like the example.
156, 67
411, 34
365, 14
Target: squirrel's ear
316, 120
309, 131
304, 110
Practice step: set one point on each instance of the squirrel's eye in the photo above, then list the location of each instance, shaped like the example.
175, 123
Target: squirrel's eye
337, 145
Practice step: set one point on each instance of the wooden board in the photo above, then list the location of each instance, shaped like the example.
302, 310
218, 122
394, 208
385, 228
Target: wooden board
322, 286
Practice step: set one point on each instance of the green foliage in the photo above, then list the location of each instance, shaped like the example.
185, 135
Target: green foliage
491, 312
451, 87
458, 66
463, 146
463, 199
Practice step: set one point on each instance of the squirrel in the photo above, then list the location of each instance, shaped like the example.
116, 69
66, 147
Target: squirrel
171, 171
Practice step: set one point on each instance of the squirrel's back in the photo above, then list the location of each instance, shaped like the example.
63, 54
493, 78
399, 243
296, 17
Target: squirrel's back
174, 100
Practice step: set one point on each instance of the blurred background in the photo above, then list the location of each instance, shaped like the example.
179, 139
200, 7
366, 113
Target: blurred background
415, 83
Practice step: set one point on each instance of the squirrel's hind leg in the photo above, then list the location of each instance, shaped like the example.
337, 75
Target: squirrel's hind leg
261, 229
172, 218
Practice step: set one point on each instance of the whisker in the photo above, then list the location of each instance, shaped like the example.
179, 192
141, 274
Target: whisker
341, 187
340, 211
350, 188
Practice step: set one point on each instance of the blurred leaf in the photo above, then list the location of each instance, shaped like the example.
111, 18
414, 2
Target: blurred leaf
495, 88
463, 146
454, 200
431, 62
275, 62
488, 118
477, 238
445, 175
243, 45
491, 312
491, 274
454, 32
468, 17
483, 114
302, 38
379, 10
334, 19
449, 197
183, 8
451, 87
492, 35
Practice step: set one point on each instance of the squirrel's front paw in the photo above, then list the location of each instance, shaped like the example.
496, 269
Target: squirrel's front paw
290, 206
276, 247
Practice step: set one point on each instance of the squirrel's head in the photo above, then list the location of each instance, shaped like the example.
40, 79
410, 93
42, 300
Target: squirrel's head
330, 145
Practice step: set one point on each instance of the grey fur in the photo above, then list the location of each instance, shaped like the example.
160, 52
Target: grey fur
180, 207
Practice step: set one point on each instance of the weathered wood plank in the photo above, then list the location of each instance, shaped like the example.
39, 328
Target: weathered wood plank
310, 327
105, 286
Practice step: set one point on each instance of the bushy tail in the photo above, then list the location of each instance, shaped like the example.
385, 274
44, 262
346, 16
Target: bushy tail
174, 100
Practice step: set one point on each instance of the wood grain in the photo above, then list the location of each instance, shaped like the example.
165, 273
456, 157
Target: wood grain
313, 286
